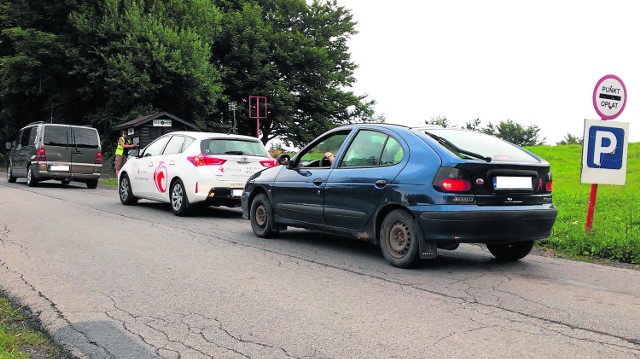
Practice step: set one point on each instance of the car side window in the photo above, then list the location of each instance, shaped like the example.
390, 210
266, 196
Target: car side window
365, 150
392, 153
174, 146
156, 147
28, 136
314, 156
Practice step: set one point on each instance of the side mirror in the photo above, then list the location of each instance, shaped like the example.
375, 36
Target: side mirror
8, 145
283, 160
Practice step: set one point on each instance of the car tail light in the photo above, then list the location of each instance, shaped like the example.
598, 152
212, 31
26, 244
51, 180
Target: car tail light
269, 163
549, 185
99, 158
41, 155
202, 160
450, 179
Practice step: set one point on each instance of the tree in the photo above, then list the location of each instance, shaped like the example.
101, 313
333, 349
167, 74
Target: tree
33, 64
570, 139
439, 121
137, 57
296, 55
473, 125
515, 133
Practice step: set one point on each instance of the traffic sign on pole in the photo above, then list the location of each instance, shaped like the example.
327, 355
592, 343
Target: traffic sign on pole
609, 97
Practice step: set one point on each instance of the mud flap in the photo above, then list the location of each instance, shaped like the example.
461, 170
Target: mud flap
428, 250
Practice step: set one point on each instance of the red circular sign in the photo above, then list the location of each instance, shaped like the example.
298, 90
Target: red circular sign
609, 97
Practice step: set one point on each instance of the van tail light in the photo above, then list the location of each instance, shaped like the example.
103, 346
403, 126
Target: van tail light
203, 160
449, 179
99, 158
41, 154
269, 163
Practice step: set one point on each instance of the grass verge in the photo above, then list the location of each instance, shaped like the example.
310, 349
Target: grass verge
20, 338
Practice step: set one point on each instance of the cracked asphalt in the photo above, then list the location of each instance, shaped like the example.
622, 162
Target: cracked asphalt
111, 281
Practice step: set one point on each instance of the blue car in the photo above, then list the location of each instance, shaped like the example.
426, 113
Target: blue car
412, 190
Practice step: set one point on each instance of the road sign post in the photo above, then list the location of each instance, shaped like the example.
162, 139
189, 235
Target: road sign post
609, 99
257, 109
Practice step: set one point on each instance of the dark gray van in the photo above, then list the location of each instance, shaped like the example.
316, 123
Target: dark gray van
46, 151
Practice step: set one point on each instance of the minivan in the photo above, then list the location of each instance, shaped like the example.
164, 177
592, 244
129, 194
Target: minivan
46, 151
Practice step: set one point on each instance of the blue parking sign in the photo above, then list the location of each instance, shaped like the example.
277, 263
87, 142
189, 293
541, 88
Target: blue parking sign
604, 152
606, 147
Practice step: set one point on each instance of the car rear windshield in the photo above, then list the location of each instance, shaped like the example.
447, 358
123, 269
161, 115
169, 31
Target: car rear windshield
480, 146
233, 147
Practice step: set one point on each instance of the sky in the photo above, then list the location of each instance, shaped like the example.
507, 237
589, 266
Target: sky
534, 62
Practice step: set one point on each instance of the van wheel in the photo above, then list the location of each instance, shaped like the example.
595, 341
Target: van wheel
399, 237
10, 177
126, 193
262, 217
511, 251
179, 201
92, 184
31, 179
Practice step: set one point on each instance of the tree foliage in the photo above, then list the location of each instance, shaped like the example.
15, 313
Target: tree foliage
439, 121
507, 130
515, 133
102, 63
296, 55
570, 139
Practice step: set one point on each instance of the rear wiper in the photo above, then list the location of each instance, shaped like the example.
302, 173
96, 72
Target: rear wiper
234, 153
455, 148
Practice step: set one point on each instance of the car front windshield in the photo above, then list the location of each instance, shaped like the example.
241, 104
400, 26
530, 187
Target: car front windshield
480, 146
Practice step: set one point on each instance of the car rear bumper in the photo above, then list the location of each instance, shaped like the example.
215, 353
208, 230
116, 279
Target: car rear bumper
43, 172
218, 196
476, 224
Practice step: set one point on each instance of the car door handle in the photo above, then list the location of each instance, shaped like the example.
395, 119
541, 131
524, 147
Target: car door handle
150, 164
172, 163
317, 181
380, 183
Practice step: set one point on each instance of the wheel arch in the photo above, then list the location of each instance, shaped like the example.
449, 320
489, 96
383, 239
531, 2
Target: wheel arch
254, 193
383, 213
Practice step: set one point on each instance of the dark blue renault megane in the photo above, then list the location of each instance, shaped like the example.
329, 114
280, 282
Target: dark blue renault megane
412, 190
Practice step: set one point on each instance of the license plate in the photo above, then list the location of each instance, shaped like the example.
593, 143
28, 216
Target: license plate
236, 192
511, 183
58, 168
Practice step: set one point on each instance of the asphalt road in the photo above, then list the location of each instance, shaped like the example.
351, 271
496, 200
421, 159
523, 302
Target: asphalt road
110, 281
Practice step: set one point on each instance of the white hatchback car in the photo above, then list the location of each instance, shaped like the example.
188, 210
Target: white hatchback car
187, 168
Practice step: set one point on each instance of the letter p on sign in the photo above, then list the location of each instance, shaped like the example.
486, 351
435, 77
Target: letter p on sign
604, 152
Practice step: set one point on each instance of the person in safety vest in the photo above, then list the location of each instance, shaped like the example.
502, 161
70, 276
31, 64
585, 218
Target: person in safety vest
124, 144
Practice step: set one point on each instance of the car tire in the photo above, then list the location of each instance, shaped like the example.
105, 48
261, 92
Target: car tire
125, 191
178, 199
511, 251
91, 184
399, 239
65, 181
10, 177
31, 178
261, 217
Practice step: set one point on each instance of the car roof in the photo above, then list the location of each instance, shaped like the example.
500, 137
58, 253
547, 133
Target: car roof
202, 135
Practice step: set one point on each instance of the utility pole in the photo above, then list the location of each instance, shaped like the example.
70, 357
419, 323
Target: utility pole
233, 106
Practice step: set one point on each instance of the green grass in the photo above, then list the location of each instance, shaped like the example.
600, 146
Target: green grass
615, 232
18, 339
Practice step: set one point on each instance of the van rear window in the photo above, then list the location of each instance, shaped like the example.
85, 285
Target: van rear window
85, 137
56, 135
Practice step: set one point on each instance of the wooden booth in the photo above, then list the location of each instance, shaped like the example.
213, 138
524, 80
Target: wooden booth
144, 129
